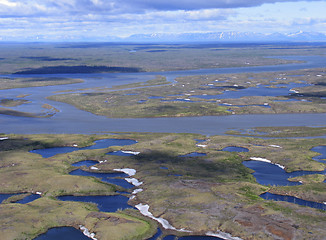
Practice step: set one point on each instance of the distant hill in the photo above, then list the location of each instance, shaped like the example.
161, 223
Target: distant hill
228, 37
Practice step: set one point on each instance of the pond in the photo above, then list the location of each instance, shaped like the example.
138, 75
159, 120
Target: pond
235, 149
103, 143
322, 151
113, 178
271, 174
104, 203
62, 233
276, 197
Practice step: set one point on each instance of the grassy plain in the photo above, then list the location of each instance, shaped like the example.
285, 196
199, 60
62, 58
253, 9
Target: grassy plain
8, 83
143, 57
207, 193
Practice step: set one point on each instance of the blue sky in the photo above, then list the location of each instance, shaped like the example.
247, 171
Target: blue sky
60, 20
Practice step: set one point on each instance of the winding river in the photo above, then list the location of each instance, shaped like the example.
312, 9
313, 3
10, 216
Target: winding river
73, 120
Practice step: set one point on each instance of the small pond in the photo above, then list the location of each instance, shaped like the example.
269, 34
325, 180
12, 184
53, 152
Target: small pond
235, 149
322, 151
104, 203
276, 197
193, 154
113, 178
62, 233
270, 174
99, 144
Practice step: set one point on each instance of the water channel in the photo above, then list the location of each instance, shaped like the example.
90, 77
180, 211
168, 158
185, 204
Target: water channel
72, 120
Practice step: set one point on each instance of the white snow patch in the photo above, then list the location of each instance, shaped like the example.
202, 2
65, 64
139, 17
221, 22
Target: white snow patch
201, 145
223, 235
87, 233
130, 152
275, 146
3, 138
94, 168
266, 160
132, 197
266, 104
319, 75
324, 202
75, 145
143, 208
293, 90
134, 181
128, 171
137, 191
39, 193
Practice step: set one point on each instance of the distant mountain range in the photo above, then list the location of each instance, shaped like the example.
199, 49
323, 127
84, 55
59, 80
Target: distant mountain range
211, 37
228, 37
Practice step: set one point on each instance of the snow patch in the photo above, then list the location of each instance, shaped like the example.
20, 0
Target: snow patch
130, 152
94, 168
275, 146
143, 208
128, 171
201, 145
134, 181
137, 191
223, 235
3, 138
87, 233
266, 160
39, 193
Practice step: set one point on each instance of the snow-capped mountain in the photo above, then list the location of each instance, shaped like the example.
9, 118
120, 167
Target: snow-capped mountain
228, 37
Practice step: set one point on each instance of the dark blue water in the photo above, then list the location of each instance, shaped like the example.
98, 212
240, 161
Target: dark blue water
322, 151
120, 153
103, 143
165, 168
29, 198
235, 149
276, 197
62, 233
270, 174
113, 178
104, 203
157, 234
193, 154
86, 163
5, 196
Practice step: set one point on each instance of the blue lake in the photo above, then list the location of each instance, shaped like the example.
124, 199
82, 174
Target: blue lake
62, 233
322, 151
235, 149
99, 144
194, 154
113, 178
86, 163
104, 203
276, 197
4, 196
29, 198
26, 199
270, 174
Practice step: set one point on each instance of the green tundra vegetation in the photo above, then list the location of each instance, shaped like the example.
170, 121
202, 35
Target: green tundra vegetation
215, 192
187, 96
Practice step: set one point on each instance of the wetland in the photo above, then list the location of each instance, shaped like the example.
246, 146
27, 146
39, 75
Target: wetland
178, 142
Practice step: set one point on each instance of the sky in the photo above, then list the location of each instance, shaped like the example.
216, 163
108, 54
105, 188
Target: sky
76, 20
